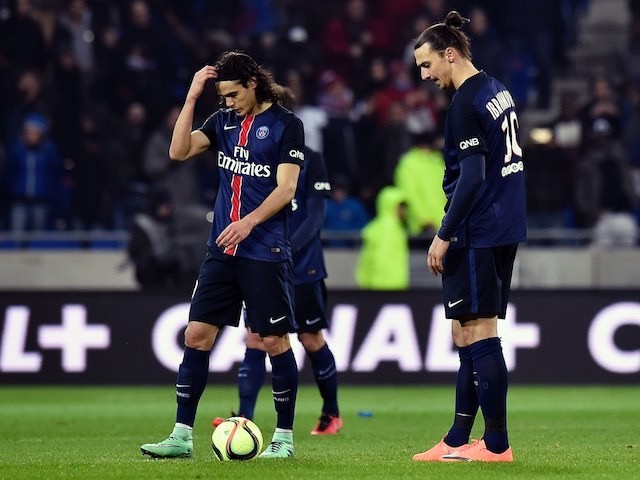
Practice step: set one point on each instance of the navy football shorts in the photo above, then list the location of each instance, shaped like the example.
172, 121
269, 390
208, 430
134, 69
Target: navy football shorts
476, 281
311, 299
226, 281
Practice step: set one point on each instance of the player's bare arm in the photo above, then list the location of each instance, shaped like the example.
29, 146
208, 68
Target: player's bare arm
436, 253
281, 196
185, 143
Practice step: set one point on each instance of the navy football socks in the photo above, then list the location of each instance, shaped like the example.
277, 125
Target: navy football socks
466, 401
326, 375
285, 388
491, 378
192, 379
251, 376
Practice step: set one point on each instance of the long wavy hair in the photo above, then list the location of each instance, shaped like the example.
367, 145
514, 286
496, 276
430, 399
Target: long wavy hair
238, 66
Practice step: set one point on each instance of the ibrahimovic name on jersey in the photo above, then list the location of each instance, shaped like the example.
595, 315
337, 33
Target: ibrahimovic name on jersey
482, 115
248, 151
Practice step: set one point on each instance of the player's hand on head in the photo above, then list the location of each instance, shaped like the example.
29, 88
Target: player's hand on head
208, 72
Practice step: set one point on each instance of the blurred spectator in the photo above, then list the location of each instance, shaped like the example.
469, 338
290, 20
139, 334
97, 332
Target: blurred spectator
346, 214
314, 118
27, 99
303, 52
602, 103
487, 48
392, 141
377, 79
165, 243
604, 191
22, 43
66, 105
536, 39
419, 177
33, 176
109, 75
419, 24
75, 34
572, 12
131, 177
398, 85
397, 14
567, 137
336, 98
351, 39
95, 174
424, 107
567, 128
520, 71
434, 10
146, 63
383, 262
152, 245
266, 47
549, 183
179, 179
256, 17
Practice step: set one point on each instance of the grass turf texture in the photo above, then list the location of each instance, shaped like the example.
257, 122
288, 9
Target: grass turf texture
95, 433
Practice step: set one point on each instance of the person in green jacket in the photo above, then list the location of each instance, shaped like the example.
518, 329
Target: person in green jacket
383, 263
419, 176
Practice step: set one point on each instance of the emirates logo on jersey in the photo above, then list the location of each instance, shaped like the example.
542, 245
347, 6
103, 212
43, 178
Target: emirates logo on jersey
243, 168
262, 132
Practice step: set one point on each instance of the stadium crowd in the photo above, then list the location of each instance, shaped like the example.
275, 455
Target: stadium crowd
90, 89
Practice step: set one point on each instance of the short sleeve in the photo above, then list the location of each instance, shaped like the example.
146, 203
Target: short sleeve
209, 129
292, 144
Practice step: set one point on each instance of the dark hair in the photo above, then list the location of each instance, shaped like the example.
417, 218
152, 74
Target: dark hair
240, 67
446, 34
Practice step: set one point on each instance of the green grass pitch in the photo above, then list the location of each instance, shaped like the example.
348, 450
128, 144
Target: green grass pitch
95, 433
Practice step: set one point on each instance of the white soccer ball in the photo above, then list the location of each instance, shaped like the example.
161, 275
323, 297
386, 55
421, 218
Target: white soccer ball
236, 438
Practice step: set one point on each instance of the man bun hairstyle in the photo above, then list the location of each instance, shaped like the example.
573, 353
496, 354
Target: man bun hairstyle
446, 34
240, 67
455, 20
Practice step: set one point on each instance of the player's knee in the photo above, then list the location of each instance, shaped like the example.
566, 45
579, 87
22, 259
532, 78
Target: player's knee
200, 335
275, 345
253, 340
312, 342
478, 329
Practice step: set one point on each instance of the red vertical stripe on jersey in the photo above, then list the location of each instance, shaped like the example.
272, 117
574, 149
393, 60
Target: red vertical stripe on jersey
236, 180
234, 214
245, 126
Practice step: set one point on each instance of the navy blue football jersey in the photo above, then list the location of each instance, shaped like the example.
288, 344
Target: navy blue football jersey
308, 262
482, 119
248, 151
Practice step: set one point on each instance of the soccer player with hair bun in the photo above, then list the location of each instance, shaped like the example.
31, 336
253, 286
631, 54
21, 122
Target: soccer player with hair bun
475, 248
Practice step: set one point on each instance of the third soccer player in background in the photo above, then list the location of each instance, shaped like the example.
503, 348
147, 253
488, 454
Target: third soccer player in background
475, 248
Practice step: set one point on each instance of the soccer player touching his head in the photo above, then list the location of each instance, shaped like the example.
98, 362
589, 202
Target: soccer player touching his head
309, 272
475, 248
259, 150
